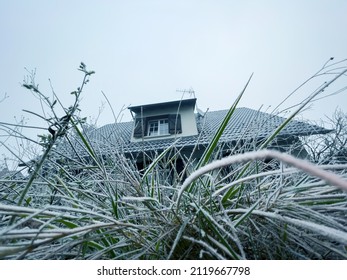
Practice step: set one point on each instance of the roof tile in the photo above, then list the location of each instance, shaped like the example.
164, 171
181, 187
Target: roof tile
244, 123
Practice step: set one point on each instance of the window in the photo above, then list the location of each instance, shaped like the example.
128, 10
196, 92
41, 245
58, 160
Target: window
158, 125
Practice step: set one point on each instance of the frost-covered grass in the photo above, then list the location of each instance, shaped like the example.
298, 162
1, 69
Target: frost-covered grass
278, 214
239, 207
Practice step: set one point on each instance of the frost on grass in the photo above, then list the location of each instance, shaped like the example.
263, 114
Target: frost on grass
309, 168
89, 206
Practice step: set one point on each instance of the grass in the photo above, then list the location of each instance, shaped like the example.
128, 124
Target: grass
110, 210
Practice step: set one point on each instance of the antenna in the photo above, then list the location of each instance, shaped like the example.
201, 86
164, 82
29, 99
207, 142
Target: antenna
190, 92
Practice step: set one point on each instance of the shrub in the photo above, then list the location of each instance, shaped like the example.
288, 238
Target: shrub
96, 207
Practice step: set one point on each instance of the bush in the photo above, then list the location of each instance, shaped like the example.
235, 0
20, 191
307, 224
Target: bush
97, 207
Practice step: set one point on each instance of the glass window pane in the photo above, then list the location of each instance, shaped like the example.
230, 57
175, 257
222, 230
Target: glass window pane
164, 127
158, 127
152, 128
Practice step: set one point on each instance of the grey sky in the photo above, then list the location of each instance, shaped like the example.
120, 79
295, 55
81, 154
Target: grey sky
144, 50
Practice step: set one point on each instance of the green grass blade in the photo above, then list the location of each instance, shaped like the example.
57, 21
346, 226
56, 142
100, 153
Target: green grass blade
246, 214
178, 238
213, 144
156, 161
84, 140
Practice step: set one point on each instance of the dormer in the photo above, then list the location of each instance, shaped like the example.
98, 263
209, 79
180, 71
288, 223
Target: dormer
164, 120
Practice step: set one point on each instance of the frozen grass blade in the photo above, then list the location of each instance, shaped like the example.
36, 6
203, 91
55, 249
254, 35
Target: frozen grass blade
104, 208
301, 164
178, 238
214, 142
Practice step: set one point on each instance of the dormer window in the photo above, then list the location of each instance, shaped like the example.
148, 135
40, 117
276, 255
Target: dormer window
164, 120
158, 126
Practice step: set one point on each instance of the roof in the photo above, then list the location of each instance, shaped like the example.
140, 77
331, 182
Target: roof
170, 104
5, 174
245, 123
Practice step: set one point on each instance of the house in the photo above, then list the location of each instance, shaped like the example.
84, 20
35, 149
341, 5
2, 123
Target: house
177, 124
5, 173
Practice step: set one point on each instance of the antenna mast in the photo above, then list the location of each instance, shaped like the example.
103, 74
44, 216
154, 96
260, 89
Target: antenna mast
189, 91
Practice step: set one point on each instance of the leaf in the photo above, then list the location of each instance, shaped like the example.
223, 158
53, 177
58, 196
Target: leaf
28, 200
208, 152
54, 102
27, 86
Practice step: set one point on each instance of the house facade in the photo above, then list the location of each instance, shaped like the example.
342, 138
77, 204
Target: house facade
187, 131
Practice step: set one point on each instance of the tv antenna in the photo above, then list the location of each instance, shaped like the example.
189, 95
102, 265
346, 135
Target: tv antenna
189, 91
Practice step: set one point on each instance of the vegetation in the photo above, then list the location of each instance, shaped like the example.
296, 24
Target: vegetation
82, 205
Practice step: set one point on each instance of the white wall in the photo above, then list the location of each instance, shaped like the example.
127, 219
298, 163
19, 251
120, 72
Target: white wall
188, 121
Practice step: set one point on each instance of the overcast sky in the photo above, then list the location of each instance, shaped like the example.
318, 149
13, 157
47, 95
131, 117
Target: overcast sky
143, 51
